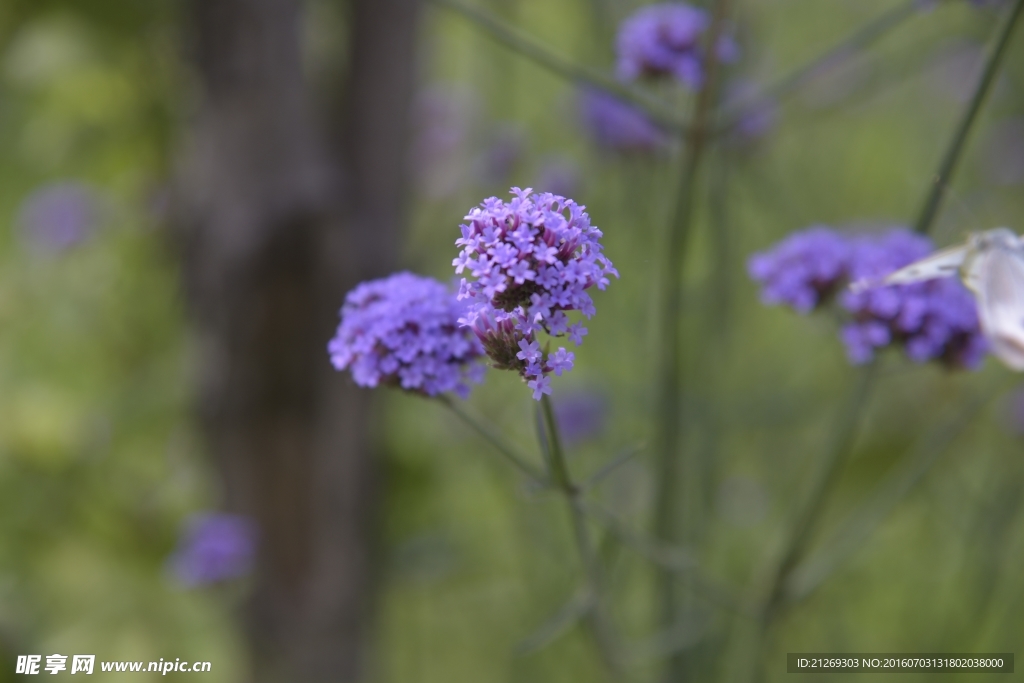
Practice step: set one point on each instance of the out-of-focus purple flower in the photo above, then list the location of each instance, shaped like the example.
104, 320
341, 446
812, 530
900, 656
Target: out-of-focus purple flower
618, 126
404, 331
581, 415
441, 123
502, 153
60, 215
803, 270
933, 320
1004, 158
215, 547
532, 260
559, 176
665, 40
759, 115
955, 70
1013, 412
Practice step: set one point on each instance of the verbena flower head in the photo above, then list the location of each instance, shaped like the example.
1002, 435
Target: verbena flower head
532, 260
60, 215
933, 320
215, 547
503, 153
404, 331
803, 270
581, 415
665, 40
442, 120
758, 112
616, 125
560, 176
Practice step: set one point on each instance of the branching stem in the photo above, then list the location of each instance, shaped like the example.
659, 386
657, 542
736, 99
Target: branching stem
597, 619
954, 151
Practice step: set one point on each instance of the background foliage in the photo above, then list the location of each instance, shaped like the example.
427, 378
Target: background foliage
99, 464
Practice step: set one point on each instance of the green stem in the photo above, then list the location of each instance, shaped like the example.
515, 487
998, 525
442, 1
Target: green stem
859, 526
597, 618
491, 435
933, 202
796, 79
844, 432
668, 435
674, 559
659, 112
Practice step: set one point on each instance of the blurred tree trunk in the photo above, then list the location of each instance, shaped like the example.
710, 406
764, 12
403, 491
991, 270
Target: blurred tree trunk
280, 212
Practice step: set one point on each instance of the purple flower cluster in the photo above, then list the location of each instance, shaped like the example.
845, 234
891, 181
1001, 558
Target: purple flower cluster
559, 176
618, 126
60, 215
665, 40
533, 258
215, 547
803, 270
758, 113
404, 331
581, 415
933, 320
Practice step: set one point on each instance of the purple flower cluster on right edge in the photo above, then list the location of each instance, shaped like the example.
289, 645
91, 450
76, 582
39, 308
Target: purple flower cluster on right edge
933, 320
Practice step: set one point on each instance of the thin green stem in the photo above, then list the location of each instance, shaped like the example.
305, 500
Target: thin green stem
491, 436
597, 618
844, 432
860, 524
796, 79
674, 559
658, 111
610, 467
669, 432
933, 202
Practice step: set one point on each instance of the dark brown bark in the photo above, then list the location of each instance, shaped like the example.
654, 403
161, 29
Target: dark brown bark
271, 239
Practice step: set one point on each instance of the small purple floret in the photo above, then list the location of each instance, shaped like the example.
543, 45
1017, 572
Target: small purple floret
665, 40
404, 331
215, 547
556, 255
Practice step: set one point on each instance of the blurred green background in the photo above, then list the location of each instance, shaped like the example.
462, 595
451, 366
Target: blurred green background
100, 462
